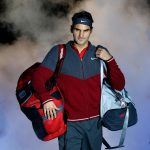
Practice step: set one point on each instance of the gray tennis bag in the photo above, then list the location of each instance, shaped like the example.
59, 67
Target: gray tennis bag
117, 110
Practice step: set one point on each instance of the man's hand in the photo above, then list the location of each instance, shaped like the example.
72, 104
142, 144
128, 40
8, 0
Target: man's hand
103, 54
50, 110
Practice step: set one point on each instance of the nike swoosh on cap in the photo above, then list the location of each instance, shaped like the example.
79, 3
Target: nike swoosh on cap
83, 21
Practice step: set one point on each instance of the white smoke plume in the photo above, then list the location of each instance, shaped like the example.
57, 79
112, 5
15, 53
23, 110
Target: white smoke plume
122, 26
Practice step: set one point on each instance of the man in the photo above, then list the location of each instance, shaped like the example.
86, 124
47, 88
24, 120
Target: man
79, 81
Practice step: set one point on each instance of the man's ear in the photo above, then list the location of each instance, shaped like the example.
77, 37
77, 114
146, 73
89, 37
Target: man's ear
71, 28
91, 29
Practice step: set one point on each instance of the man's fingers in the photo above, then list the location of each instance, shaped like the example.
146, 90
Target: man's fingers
98, 52
45, 112
51, 114
56, 107
54, 113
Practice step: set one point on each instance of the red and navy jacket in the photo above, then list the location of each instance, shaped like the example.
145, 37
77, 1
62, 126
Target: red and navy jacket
79, 81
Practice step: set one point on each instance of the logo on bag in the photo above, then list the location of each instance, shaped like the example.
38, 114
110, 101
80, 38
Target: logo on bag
61, 53
122, 115
22, 94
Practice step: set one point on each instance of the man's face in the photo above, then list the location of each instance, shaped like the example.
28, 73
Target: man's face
81, 33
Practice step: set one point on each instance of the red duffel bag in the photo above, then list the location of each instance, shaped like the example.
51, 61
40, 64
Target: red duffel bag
45, 129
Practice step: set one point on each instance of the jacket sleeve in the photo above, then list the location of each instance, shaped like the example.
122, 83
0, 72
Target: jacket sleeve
43, 73
115, 76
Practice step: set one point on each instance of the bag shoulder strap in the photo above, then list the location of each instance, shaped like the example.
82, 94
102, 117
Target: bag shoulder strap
61, 56
62, 51
51, 82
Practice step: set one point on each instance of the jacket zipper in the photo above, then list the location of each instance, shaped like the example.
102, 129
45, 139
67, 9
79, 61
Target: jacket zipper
84, 78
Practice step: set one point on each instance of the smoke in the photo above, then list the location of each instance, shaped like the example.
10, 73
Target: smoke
59, 8
7, 33
3, 125
2, 7
34, 19
141, 6
29, 28
47, 16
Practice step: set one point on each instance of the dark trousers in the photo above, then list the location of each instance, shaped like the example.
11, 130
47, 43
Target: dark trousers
82, 135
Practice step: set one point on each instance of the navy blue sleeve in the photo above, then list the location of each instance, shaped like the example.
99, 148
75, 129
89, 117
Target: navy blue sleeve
51, 58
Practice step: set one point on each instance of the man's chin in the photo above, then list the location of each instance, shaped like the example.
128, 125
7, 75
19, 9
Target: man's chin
81, 43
